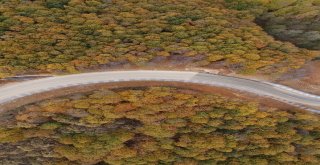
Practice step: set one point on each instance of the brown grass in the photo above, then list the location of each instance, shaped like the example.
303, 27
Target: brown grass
305, 79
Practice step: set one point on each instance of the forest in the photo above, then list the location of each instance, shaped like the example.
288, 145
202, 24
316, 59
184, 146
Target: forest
157, 125
296, 21
161, 124
70, 36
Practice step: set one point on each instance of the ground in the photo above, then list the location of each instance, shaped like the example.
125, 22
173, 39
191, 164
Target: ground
306, 79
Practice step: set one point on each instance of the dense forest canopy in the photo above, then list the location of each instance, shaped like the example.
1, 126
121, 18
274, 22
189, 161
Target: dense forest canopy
297, 21
157, 125
75, 35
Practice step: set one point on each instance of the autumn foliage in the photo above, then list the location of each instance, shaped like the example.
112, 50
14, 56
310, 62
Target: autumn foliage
77, 35
296, 21
157, 125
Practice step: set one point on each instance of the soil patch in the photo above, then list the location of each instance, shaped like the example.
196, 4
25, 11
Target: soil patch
306, 79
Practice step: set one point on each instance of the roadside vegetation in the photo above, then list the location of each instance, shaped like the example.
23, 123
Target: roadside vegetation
77, 35
156, 125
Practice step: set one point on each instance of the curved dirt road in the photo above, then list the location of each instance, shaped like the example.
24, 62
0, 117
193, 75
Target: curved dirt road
282, 93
